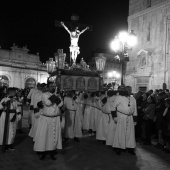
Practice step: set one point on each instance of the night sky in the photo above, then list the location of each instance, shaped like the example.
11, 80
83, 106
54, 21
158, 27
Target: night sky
32, 24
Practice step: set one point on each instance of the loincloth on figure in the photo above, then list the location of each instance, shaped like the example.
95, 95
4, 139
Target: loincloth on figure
74, 49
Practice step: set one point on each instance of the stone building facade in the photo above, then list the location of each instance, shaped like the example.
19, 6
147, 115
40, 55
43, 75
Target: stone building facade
149, 65
20, 69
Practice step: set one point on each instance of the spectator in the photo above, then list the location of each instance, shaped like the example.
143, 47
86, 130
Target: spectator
160, 107
149, 113
167, 93
166, 126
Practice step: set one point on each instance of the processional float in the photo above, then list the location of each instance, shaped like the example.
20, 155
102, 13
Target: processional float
76, 76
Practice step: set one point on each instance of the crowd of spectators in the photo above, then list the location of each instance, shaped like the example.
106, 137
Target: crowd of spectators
153, 120
153, 123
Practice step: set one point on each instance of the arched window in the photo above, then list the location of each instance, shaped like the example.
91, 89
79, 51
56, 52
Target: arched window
30, 83
4, 81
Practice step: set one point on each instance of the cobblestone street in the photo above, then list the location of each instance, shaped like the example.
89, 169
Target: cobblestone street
88, 154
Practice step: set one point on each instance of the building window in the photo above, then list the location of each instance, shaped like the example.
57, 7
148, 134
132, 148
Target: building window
30, 83
4, 81
148, 3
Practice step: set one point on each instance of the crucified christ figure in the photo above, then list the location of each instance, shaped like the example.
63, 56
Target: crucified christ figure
74, 37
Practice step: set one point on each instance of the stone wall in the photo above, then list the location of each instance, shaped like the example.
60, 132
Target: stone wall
150, 58
136, 6
18, 66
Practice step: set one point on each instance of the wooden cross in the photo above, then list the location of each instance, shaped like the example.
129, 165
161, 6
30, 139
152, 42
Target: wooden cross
74, 23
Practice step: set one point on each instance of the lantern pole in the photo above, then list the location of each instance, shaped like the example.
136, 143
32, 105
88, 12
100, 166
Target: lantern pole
122, 44
100, 81
100, 64
60, 60
50, 67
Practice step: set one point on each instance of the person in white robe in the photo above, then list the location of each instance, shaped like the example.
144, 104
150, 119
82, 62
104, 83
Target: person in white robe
104, 121
14, 117
30, 101
71, 118
48, 135
99, 104
125, 114
108, 108
87, 112
92, 124
37, 98
97, 111
81, 103
79, 115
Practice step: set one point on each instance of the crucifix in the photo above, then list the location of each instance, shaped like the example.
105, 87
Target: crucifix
73, 29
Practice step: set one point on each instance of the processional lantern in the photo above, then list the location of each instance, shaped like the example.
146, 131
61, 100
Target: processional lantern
100, 65
100, 62
50, 65
60, 59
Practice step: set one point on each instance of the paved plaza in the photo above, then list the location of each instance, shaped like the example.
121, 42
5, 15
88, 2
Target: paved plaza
88, 154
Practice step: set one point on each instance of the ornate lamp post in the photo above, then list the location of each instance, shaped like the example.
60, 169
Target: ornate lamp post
122, 44
100, 65
50, 65
60, 59
60, 64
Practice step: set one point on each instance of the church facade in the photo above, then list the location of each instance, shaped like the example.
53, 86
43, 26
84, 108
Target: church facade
149, 61
20, 69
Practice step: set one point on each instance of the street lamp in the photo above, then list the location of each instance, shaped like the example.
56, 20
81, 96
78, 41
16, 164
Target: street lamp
100, 65
122, 44
113, 75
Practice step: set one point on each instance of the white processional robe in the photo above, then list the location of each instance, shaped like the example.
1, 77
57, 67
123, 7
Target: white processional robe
37, 98
87, 114
112, 125
31, 96
96, 111
103, 123
81, 106
72, 121
48, 135
93, 115
11, 125
125, 132
99, 116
